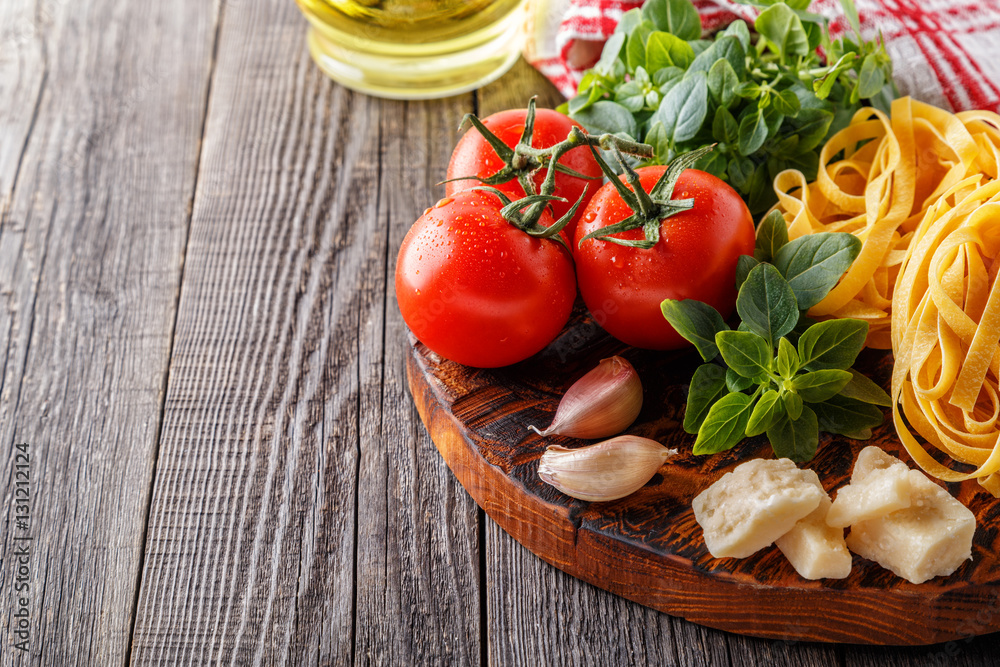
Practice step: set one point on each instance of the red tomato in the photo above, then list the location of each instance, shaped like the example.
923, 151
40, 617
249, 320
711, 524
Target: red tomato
478, 290
695, 258
473, 156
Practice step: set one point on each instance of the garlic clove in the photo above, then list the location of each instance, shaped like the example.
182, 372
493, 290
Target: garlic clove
602, 403
608, 470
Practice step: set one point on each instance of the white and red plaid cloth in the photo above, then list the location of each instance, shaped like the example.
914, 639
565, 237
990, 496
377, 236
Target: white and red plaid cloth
944, 52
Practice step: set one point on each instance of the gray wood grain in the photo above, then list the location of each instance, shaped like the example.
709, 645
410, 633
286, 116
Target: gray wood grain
418, 566
300, 513
99, 137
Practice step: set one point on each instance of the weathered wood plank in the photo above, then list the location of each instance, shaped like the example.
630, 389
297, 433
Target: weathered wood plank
300, 513
99, 136
418, 563
250, 540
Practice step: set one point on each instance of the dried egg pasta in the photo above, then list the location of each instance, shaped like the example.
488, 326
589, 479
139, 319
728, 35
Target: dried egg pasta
919, 189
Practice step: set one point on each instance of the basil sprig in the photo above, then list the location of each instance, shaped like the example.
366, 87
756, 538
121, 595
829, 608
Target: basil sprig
779, 373
767, 100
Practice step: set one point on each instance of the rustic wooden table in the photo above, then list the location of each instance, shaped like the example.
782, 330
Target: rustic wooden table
203, 358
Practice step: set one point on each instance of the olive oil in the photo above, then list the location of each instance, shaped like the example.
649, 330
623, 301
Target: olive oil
414, 49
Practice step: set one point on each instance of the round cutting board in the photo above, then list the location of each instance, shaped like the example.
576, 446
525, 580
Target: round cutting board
647, 547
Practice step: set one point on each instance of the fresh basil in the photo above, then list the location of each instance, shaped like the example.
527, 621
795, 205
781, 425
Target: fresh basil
813, 264
674, 16
782, 97
708, 384
772, 235
818, 386
725, 425
696, 322
861, 388
744, 265
737, 382
787, 362
779, 373
765, 413
847, 416
745, 353
832, 344
797, 438
767, 304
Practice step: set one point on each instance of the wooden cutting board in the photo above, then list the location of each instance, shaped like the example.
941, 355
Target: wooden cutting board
647, 547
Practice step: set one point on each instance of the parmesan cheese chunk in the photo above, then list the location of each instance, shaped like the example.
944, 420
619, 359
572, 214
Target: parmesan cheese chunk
815, 549
881, 491
930, 537
755, 504
872, 458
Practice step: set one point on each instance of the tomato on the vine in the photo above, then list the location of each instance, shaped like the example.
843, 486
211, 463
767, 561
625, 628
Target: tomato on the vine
478, 290
474, 156
694, 258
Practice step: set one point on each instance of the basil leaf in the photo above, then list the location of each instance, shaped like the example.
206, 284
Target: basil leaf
609, 117
787, 363
745, 353
846, 416
675, 16
684, 107
760, 194
795, 439
740, 31
713, 163
832, 344
814, 263
724, 48
767, 304
783, 30
736, 382
871, 78
786, 103
767, 411
708, 384
666, 50
724, 127
635, 50
722, 81
793, 404
697, 322
753, 132
725, 424
609, 55
667, 75
741, 172
812, 128
631, 96
818, 386
772, 235
658, 138
861, 388
630, 21
744, 265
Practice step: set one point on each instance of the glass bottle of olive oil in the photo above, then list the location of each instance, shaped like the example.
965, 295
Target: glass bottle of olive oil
414, 49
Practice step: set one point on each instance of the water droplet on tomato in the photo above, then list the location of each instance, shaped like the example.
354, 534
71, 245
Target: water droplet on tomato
444, 202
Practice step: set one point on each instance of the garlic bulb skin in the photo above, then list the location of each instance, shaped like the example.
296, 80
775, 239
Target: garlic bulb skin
602, 403
608, 470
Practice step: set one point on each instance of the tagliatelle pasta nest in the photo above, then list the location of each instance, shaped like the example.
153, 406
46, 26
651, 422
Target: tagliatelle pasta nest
920, 190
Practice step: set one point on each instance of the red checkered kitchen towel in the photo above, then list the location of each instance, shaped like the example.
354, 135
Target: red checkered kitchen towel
944, 52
